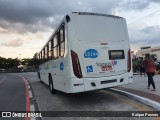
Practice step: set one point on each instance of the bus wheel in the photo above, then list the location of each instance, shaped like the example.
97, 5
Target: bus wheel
53, 91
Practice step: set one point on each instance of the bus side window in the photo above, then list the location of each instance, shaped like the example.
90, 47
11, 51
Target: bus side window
62, 41
55, 48
43, 56
52, 46
39, 58
50, 50
46, 52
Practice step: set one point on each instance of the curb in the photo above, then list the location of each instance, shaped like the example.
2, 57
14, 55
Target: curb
147, 101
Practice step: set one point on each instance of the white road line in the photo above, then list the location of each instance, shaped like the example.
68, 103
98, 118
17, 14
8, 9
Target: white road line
32, 109
28, 86
147, 101
30, 94
27, 82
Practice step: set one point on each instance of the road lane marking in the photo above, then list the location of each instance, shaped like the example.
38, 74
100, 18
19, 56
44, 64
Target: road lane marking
30, 94
28, 87
4, 78
32, 108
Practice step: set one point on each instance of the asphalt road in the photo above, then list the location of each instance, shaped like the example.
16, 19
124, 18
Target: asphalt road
12, 93
13, 97
100, 100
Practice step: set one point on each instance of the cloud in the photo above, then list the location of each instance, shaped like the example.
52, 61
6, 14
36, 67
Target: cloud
3, 31
145, 35
32, 16
14, 43
23, 16
141, 35
27, 12
9, 27
136, 4
32, 36
35, 15
150, 29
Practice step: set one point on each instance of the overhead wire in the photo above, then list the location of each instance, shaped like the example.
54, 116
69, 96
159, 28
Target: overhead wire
144, 17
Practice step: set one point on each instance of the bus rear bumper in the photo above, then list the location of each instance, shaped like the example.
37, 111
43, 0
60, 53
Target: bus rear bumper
89, 84
106, 82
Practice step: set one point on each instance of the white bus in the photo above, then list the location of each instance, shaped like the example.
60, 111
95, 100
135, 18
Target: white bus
87, 51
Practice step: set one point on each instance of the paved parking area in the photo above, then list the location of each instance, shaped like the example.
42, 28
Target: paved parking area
139, 87
96, 100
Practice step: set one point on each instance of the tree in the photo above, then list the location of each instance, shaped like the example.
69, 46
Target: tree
8, 63
154, 57
33, 61
14, 63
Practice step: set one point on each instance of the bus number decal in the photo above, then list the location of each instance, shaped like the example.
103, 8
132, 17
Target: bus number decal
91, 53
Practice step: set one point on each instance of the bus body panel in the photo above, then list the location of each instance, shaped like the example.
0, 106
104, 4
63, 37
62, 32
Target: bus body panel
102, 66
75, 85
93, 48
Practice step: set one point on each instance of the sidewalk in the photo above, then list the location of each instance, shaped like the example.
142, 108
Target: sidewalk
139, 87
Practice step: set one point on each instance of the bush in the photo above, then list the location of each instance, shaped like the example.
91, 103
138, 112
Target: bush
135, 65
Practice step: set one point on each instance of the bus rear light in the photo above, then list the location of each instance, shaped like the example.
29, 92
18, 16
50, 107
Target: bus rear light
76, 65
129, 61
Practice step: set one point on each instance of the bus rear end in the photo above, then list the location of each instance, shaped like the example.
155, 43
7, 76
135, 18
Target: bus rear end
100, 52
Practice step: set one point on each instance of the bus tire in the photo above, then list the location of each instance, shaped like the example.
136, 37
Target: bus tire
51, 87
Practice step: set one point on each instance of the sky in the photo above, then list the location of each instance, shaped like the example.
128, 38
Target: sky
26, 25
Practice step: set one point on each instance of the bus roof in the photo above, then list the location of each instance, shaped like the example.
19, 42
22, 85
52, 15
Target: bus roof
97, 14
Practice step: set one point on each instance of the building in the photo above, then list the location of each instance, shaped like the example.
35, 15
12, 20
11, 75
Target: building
133, 56
153, 51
